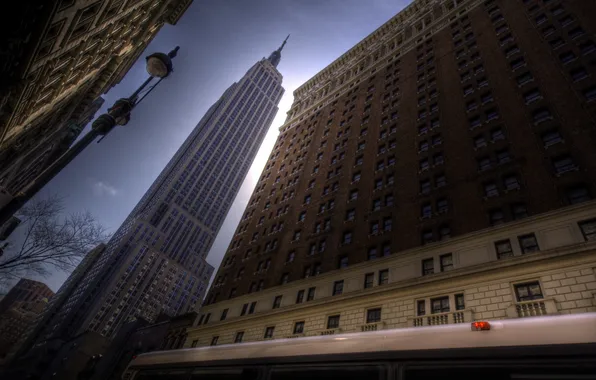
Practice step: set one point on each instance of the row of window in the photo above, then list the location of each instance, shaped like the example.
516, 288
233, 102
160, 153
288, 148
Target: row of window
525, 291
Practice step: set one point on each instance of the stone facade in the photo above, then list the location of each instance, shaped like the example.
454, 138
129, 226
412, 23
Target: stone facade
562, 266
62, 56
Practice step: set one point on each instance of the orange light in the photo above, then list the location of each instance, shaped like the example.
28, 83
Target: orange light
480, 326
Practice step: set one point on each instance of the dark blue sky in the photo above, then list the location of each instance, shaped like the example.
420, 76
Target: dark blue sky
219, 40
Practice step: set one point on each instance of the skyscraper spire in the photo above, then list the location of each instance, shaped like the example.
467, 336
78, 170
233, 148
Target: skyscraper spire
275, 57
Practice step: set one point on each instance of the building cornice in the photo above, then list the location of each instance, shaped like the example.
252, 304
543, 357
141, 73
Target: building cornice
392, 39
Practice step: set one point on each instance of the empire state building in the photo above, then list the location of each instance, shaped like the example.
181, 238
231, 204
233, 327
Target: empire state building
155, 262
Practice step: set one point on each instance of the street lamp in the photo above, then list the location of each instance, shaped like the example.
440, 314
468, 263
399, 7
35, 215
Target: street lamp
159, 66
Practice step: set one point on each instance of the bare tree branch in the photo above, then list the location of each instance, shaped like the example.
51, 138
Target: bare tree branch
48, 242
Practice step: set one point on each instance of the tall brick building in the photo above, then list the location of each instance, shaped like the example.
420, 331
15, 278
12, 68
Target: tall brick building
440, 171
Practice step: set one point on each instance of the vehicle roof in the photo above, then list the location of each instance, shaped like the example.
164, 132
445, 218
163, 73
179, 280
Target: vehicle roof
533, 331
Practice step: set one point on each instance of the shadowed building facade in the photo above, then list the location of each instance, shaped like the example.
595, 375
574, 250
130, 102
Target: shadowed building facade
58, 58
440, 171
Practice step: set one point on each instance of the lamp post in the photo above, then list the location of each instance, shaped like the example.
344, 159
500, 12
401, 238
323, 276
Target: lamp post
159, 66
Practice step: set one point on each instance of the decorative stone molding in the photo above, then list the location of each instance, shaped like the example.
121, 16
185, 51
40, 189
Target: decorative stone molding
460, 316
532, 308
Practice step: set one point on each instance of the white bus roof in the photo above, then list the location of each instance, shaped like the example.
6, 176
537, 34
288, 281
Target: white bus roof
535, 331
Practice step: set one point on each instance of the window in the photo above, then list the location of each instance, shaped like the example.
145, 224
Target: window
424, 165
590, 93
426, 211
517, 63
350, 214
427, 237
269, 332
307, 199
439, 305
446, 262
252, 307
428, 266
372, 253
425, 187
528, 291
532, 96
359, 160
311, 294
459, 302
496, 217
423, 146
541, 115
338, 287
353, 195
302, 216
510, 183
484, 163
578, 194
194, 343
442, 205
285, 278
378, 184
214, 340
444, 232
491, 190
524, 78
276, 302
356, 177
239, 336
383, 276
244, 309
564, 164
420, 307
438, 159
369, 280
373, 315
588, 228
479, 142
299, 327
528, 243
519, 211
551, 138
386, 249
347, 238
503, 156
333, 322
300, 296
504, 249
567, 57
440, 181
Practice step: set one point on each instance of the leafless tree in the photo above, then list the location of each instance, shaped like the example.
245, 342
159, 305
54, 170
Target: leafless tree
47, 241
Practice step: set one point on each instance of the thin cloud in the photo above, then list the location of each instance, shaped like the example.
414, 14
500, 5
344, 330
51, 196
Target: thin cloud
101, 188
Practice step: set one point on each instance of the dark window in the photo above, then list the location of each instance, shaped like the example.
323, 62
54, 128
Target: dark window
519, 211
383, 276
311, 294
590, 93
579, 74
369, 279
244, 309
224, 314
300, 296
446, 262
373, 315
386, 249
551, 138
285, 278
496, 217
528, 291
427, 237
588, 228
299, 327
251, 309
207, 318
277, 302
564, 164
214, 340
333, 322
194, 343
347, 238
239, 336
421, 307
428, 266
269, 332
528, 243
343, 261
459, 302
440, 305
372, 253
338, 287
503, 248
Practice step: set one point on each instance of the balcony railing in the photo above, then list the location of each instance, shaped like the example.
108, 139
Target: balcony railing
331, 331
375, 326
460, 316
532, 308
